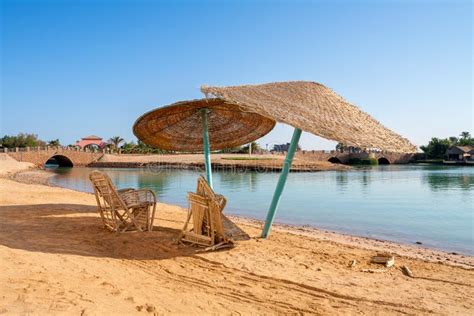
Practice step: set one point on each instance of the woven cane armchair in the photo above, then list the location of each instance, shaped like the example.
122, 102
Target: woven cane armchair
125, 209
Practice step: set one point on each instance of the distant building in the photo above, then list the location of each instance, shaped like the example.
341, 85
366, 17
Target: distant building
91, 142
283, 148
460, 153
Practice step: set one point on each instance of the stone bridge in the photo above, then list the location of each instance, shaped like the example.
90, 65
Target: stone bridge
69, 157
65, 157
338, 157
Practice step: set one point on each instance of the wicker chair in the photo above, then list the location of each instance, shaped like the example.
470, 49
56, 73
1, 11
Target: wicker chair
205, 209
125, 209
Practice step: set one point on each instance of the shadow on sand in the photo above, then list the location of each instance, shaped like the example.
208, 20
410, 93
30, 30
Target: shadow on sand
77, 229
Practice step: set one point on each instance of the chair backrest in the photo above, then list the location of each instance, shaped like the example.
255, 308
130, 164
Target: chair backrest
204, 189
105, 189
199, 206
108, 200
216, 204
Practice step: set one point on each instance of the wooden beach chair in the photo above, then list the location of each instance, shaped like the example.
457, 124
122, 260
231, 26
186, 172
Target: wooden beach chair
205, 214
231, 230
125, 209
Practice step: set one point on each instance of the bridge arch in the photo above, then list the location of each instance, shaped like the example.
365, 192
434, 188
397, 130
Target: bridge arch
60, 160
334, 160
383, 161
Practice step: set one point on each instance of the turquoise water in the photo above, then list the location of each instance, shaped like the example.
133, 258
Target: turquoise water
409, 203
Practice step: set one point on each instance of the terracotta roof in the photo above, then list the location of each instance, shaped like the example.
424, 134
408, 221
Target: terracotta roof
465, 149
92, 137
85, 142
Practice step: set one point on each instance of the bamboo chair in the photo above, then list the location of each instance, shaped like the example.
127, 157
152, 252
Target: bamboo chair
205, 214
125, 209
205, 190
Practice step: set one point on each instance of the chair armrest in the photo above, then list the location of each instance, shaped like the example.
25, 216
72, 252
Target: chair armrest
125, 190
221, 200
137, 197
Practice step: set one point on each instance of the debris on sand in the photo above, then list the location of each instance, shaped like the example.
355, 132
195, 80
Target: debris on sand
387, 259
374, 270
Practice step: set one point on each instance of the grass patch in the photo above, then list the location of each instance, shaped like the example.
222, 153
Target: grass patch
432, 161
363, 162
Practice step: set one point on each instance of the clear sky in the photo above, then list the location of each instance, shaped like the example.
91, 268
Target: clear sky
75, 68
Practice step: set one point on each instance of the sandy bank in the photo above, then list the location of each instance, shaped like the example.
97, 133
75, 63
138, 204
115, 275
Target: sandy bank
9, 166
219, 161
56, 259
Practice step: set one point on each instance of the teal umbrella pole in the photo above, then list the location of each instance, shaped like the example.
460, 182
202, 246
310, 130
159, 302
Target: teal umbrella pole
207, 150
281, 182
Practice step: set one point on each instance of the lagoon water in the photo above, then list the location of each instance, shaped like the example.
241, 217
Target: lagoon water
407, 203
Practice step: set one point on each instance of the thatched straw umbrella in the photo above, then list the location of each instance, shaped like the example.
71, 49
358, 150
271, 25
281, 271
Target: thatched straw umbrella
314, 108
206, 124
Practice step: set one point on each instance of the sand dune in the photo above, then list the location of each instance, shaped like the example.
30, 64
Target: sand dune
56, 259
9, 166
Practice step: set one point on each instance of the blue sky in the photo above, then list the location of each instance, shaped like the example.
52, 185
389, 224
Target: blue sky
74, 68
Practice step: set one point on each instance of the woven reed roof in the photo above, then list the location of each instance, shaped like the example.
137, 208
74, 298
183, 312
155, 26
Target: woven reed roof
314, 108
179, 126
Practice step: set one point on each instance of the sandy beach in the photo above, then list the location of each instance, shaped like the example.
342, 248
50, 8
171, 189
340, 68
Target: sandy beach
147, 146
57, 259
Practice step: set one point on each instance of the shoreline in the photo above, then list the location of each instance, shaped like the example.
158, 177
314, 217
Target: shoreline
216, 166
434, 255
235, 162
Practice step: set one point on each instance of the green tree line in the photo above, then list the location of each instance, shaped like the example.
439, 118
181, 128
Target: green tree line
21, 140
26, 140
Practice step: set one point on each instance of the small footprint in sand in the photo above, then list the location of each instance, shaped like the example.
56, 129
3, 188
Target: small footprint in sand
116, 292
107, 284
147, 307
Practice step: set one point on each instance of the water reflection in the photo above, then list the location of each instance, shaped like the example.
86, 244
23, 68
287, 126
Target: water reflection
445, 181
238, 180
341, 181
365, 178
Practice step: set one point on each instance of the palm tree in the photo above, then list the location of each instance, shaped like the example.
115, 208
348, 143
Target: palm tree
465, 135
116, 140
54, 143
453, 140
340, 147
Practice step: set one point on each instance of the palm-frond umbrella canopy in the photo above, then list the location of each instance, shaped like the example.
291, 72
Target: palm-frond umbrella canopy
201, 125
314, 108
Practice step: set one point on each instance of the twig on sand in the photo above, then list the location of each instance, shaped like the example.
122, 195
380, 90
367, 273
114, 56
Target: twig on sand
222, 245
406, 271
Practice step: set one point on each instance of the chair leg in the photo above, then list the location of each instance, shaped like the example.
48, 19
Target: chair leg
185, 226
152, 216
129, 220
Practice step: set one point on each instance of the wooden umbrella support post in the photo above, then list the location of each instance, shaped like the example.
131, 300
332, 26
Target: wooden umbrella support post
281, 182
207, 150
